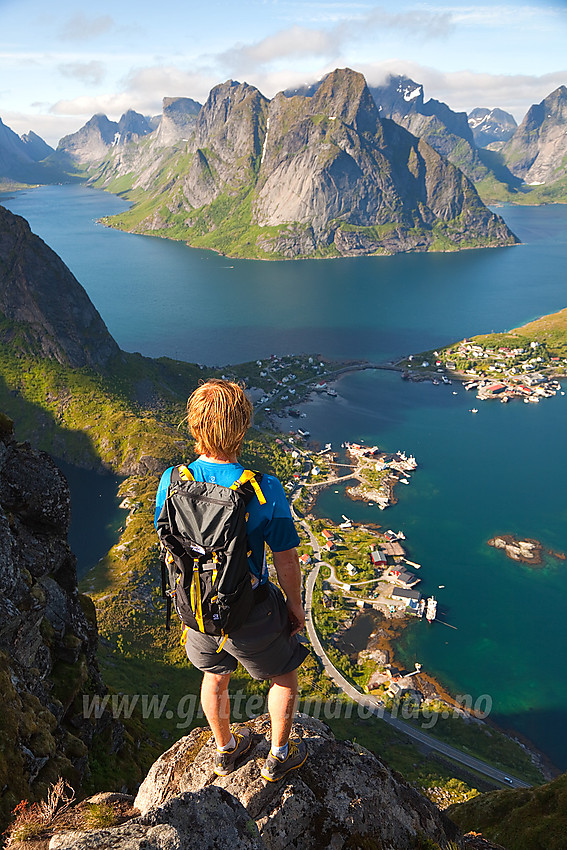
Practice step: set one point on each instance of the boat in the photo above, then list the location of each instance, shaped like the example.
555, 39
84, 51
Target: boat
303, 432
474, 410
331, 392
431, 611
421, 608
404, 481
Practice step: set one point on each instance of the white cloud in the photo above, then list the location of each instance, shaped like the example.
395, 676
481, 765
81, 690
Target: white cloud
92, 72
81, 28
328, 42
143, 89
465, 90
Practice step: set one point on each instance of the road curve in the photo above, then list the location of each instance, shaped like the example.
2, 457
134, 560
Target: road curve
374, 706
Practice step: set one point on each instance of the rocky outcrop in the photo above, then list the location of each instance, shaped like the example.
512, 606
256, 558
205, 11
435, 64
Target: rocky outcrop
298, 176
48, 633
48, 311
343, 797
537, 152
210, 819
491, 126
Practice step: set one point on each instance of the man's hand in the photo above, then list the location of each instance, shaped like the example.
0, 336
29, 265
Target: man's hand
289, 577
296, 617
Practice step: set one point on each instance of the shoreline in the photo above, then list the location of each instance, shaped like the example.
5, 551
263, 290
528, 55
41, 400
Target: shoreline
397, 623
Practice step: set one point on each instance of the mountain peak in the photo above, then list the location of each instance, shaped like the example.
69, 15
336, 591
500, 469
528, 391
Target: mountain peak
345, 92
536, 152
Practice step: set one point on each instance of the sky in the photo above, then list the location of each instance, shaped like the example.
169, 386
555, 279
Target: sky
62, 63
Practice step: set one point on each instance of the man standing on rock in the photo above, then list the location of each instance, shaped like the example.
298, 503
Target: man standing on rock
218, 415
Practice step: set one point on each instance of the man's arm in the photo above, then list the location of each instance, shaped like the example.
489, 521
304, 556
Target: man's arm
289, 577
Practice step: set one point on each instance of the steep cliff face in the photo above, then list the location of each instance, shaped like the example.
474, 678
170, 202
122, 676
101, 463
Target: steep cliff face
48, 633
537, 152
178, 119
448, 132
47, 309
303, 176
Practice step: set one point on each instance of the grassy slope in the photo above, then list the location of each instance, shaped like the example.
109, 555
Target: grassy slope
550, 329
535, 819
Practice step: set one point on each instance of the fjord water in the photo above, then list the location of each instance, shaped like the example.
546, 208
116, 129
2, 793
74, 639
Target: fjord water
501, 470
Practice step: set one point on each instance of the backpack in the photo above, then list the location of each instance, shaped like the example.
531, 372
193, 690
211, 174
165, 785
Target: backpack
202, 529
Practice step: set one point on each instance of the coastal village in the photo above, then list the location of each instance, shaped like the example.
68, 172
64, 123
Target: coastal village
365, 569
496, 372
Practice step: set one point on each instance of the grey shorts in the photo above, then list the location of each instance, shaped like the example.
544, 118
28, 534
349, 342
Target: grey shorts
263, 645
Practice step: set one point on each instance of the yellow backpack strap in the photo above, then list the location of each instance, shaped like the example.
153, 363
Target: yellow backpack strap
250, 476
185, 473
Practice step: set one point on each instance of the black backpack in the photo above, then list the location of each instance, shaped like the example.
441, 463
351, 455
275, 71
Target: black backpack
202, 529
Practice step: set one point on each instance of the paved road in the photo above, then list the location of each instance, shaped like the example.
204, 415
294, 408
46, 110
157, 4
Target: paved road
374, 706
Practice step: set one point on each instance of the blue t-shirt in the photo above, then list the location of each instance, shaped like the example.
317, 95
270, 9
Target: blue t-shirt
270, 523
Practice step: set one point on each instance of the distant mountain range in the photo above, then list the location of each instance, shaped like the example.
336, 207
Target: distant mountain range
491, 127
335, 168
319, 175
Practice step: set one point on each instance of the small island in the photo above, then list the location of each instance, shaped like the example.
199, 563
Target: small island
526, 551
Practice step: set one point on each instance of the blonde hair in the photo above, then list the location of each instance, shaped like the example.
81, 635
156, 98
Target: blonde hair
219, 414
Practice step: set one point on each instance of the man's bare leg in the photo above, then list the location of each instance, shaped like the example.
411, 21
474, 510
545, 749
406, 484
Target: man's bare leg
216, 705
282, 701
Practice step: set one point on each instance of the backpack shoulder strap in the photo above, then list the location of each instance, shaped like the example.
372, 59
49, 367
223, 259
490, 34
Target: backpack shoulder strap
252, 477
181, 473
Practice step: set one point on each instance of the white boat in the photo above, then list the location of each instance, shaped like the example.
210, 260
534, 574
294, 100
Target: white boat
431, 610
474, 410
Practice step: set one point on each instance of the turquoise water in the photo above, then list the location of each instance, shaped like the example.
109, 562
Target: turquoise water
95, 515
499, 471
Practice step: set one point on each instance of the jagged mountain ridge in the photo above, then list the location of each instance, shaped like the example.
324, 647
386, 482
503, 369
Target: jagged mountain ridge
92, 142
304, 176
491, 126
47, 310
537, 152
403, 100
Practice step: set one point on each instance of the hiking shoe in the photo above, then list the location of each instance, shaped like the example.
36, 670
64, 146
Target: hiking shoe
225, 762
275, 769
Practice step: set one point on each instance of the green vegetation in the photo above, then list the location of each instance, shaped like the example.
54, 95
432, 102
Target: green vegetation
534, 818
539, 346
127, 419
